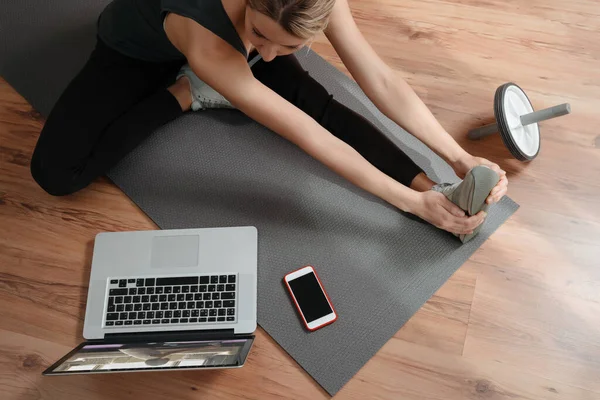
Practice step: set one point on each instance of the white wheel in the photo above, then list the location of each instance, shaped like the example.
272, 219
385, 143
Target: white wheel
510, 104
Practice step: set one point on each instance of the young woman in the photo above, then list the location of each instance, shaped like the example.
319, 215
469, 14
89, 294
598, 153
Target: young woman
156, 59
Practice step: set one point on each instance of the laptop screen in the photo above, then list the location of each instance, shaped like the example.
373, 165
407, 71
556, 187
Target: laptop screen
95, 358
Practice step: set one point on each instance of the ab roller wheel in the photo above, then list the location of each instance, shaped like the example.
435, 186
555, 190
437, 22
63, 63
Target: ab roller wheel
517, 122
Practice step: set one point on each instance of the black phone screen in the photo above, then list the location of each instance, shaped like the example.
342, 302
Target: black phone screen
310, 297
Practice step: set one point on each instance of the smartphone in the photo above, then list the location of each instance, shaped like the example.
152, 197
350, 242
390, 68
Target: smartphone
310, 298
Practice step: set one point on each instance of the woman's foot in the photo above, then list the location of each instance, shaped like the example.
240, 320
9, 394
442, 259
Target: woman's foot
202, 96
471, 193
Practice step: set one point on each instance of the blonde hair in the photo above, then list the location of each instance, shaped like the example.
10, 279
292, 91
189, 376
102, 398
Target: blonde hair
301, 18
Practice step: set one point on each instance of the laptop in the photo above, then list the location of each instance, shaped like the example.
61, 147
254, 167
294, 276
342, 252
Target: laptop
168, 300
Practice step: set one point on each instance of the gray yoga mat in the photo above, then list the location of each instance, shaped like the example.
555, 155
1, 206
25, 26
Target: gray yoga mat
218, 168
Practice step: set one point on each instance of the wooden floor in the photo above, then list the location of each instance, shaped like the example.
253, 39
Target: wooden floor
520, 320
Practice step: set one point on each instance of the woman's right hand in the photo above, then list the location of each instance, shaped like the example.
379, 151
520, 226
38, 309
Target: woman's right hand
436, 209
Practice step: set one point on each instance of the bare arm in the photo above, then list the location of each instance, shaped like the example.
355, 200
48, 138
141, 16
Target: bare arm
396, 99
389, 92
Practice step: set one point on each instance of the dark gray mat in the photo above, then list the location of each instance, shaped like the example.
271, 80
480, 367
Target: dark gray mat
218, 168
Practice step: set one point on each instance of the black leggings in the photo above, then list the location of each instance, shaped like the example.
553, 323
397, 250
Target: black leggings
115, 102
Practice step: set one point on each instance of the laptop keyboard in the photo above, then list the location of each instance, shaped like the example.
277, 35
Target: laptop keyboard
170, 301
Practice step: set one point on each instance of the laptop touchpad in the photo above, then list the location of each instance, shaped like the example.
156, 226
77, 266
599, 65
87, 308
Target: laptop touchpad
175, 251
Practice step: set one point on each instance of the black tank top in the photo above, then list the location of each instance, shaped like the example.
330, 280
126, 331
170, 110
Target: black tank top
135, 27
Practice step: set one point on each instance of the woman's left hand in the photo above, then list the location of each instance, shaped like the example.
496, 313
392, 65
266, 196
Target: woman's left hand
464, 165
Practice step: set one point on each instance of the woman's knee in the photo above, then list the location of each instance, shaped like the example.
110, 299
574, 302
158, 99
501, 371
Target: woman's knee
55, 179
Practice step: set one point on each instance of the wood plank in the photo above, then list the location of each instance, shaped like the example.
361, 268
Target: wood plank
551, 335
405, 371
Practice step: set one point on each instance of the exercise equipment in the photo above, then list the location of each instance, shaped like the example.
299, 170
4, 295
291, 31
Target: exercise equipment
517, 122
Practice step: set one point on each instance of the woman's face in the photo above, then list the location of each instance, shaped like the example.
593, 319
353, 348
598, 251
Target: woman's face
268, 37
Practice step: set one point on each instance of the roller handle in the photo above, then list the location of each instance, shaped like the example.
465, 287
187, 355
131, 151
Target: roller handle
548, 113
484, 131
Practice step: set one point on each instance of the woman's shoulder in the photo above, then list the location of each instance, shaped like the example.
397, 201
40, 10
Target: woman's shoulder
194, 40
